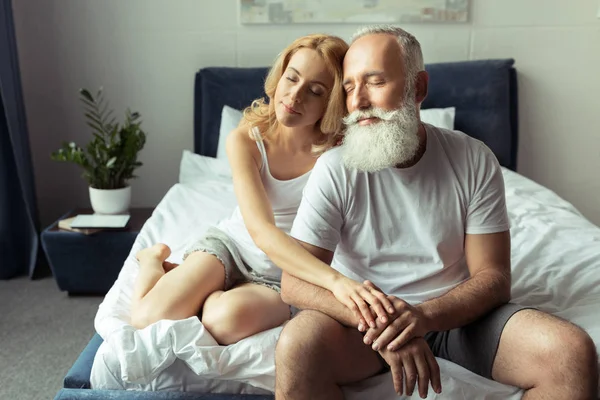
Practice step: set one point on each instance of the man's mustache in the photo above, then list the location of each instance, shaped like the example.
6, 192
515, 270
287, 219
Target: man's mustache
373, 112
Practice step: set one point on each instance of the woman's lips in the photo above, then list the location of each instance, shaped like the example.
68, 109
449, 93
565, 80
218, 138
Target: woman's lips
290, 109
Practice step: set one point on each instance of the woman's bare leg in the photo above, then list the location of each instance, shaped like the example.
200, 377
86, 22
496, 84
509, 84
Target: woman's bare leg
243, 311
178, 294
151, 261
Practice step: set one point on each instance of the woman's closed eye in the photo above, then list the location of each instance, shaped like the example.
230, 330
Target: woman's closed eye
317, 91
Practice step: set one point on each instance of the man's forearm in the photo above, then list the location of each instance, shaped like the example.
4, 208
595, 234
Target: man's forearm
306, 296
468, 301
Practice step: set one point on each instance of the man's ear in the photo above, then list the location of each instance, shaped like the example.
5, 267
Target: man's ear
421, 85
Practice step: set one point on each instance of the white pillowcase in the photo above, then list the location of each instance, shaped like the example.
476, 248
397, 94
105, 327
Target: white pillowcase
230, 119
440, 117
195, 167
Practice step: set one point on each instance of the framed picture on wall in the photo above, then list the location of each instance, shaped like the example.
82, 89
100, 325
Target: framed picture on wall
352, 11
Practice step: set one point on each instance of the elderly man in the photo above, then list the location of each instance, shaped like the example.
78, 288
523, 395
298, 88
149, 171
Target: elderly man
419, 212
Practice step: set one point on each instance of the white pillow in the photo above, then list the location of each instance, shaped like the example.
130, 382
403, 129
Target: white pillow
440, 117
195, 167
230, 119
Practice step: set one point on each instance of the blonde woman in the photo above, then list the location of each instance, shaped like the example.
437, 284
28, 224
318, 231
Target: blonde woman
231, 275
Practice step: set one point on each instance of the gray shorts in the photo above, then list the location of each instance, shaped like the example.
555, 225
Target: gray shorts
472, 346
220, 245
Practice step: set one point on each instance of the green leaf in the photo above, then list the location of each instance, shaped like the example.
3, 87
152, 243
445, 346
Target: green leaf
110, 158
93, 118
95, 127
86, 95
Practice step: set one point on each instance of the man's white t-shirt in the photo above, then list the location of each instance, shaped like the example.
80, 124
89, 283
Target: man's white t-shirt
404, 228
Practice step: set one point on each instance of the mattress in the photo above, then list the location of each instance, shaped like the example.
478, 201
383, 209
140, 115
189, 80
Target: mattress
555, 262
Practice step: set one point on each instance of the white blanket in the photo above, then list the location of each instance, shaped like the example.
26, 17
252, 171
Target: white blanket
556, 267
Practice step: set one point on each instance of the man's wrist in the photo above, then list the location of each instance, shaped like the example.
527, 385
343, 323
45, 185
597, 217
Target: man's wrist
428, 314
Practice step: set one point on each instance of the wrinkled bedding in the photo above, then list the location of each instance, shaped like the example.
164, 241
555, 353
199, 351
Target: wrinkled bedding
555, 261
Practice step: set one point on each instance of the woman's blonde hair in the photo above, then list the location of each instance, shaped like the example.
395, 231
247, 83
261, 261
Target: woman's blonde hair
261, 114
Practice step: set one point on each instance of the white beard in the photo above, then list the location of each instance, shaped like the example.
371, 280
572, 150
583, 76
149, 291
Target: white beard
384, 144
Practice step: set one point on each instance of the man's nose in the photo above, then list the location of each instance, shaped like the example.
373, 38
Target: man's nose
359, 99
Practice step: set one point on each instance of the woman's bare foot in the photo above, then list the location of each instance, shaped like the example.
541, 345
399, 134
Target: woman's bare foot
158, 252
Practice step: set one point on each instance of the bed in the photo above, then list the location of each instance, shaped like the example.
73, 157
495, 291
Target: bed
555, 255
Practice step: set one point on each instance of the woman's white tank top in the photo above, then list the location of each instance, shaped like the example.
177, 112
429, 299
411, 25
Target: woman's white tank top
284, 196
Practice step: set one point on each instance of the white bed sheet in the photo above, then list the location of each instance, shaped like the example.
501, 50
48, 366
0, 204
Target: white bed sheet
556, 267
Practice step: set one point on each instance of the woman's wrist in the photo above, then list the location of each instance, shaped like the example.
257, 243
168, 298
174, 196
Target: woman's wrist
334, 278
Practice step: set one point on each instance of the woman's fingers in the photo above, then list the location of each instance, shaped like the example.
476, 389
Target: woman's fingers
375, 304
349, 302
385, 300
368, 303
362, 324
371, 285
365, 311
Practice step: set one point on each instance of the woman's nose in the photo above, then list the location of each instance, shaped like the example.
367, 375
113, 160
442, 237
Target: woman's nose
296, 95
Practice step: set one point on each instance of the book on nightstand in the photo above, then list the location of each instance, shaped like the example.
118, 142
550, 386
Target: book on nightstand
65, 224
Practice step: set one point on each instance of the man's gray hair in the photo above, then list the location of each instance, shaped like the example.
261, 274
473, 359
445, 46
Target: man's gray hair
411, 48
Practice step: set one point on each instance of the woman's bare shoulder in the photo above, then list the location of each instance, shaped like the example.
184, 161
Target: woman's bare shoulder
240, 136
240, 139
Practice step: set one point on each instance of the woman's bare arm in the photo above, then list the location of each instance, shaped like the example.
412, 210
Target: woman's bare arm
258, 216
282, 249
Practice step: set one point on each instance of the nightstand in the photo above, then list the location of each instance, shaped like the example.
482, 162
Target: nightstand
90, 264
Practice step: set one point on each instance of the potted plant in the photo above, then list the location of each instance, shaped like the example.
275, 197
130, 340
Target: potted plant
110, 158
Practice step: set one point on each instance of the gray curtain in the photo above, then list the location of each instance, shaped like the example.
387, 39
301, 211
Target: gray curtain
19, 239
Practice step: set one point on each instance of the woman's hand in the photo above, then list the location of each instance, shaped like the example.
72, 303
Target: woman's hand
365, 300
407, 323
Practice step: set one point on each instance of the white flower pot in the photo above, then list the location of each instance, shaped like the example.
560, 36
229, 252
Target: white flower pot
110, 201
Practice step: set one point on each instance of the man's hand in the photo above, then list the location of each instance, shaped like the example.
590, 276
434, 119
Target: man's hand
413, 360
406, 323
365, 300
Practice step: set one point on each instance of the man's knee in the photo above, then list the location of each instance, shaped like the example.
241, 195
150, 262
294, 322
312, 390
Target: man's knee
570, 345
578, 349
301, 351
576, 363
304, 335
569, 358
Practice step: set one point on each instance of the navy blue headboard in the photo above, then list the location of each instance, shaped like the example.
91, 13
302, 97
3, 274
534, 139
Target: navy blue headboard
483, 92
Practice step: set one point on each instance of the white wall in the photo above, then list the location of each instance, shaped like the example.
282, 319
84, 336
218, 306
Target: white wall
145, 53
